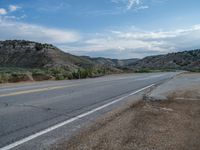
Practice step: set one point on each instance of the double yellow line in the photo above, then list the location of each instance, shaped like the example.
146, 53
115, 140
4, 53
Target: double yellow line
37, 90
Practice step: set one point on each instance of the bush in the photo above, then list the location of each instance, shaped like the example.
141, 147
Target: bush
39, 75
84, 73
24, 74
60, 77
143, 70
59, 73
17, 77
4, 77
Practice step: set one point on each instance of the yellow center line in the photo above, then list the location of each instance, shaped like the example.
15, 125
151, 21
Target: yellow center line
37, 90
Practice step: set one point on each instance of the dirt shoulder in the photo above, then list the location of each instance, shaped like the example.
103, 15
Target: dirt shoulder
148, 125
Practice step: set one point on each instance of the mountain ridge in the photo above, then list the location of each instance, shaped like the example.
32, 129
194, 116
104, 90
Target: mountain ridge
185, 60
29, 54
21, 53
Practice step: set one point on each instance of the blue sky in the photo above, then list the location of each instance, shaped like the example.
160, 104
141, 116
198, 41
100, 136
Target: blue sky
108, 28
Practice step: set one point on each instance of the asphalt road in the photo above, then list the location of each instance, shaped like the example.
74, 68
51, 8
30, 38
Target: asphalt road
28, 108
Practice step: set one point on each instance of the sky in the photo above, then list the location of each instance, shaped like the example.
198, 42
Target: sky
104, 28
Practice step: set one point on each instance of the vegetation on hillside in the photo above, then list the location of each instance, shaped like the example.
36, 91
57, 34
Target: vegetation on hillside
25, 74
22, 60
186, 60
31, 61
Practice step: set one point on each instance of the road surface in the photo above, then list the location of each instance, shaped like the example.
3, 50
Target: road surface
28, 108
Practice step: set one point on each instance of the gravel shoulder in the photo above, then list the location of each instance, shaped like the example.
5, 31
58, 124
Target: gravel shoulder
167, 118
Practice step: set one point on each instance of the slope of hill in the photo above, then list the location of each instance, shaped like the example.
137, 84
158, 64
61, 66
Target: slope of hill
25, 60
112, 62
186, 60
27, 54
20, 53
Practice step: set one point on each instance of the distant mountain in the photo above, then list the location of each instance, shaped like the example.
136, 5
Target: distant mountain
113, 62
28, 54
186, 60
19, 53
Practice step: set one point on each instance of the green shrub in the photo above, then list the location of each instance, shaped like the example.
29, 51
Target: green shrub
143, 70
23, 74
39, 75
59, 77
17, 77
4, 77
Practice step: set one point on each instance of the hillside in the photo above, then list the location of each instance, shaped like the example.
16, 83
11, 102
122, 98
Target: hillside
19, 53
31, 54
186, 60
26, 60
27, 54
113, 62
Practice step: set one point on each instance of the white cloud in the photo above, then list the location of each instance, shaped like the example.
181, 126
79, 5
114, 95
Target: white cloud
139, 43
3, 11
13, 8
131, 3
142, 7
17, 30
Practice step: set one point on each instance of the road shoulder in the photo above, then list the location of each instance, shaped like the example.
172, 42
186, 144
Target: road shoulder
160, 123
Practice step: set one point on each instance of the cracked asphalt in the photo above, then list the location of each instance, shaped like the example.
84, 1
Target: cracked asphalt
28, 108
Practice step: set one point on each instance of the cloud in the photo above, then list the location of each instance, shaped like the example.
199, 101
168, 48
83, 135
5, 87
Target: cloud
141, 7
131, 3
13, 8
3, 11
18, 30
138, 43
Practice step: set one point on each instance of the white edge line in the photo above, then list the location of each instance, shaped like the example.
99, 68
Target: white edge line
17, 143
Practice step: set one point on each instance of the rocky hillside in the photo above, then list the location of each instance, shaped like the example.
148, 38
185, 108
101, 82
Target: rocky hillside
19, 53
186, 60
27, 54
31, 54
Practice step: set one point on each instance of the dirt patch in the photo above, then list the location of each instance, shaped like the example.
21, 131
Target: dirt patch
173, 124
190, 94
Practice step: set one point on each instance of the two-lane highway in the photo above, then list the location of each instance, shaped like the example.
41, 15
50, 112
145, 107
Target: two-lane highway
26, 109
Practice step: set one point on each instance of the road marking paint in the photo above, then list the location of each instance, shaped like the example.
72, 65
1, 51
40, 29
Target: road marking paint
25, 87
31, 137
60, 86
33, 85
37, 90
9, 88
